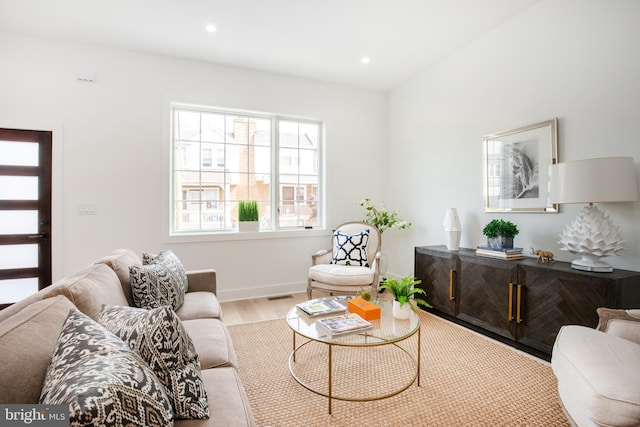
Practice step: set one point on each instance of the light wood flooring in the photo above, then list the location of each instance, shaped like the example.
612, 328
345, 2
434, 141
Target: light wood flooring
259, 309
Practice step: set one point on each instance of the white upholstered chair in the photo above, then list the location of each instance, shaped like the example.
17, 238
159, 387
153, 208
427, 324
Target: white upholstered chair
598, 370
352, 262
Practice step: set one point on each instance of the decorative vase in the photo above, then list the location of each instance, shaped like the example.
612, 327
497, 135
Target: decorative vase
452, 229
401, 313
500, 242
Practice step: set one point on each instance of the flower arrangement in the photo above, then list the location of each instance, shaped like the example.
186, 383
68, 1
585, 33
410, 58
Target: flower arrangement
381, 218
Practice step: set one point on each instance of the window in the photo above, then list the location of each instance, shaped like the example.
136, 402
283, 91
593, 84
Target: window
220, 157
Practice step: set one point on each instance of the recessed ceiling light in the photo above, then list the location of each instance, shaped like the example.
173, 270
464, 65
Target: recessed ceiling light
365, 60
211, 28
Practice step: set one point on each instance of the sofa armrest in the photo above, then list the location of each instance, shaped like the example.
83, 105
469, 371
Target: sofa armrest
202, 280
619, 322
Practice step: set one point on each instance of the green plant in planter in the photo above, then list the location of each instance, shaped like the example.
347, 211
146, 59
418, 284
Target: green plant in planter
248, 210
405, 290
499, 229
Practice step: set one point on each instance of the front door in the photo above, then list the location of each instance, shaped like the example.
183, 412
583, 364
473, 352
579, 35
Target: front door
25, 213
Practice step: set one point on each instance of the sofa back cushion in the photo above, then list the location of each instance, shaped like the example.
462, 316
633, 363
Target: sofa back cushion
27, 341
89, 288
120, 261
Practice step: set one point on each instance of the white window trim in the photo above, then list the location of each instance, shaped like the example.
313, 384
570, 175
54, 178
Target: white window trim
231, 235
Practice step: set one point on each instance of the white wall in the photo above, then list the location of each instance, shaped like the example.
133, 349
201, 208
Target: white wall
572, 59
110, 149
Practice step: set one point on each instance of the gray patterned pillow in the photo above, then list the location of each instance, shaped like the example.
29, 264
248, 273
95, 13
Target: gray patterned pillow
171, 261
159, 337
103, 381
155, 285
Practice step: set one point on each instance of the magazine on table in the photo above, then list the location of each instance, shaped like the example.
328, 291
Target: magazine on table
323, 306
348, 323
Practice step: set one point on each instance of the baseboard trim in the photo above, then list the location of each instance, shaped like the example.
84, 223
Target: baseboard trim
261, 291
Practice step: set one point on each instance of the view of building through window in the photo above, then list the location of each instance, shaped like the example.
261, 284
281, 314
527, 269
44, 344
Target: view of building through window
222, 157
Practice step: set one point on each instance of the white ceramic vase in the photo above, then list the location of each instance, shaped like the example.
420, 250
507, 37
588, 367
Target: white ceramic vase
452, 229
403, 312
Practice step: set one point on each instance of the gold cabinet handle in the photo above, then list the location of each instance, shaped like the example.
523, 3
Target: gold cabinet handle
518, 317
510, 304
451, 296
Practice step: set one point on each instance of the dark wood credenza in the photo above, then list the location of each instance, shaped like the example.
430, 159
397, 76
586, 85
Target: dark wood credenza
522, 303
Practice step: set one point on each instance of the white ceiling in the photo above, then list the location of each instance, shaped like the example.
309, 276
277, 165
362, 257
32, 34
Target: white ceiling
317, 39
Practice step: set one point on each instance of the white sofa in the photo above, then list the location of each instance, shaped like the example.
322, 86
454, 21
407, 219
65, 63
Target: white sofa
598, 370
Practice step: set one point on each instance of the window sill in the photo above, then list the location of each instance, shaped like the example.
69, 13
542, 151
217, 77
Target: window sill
225, 236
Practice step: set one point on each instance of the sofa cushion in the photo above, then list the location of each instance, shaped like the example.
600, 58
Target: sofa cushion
120, 261
228, 408
154, 286
350, 249
199, 305
27, 341
103, 381
89, 288
598, 376
160, 339
212, 342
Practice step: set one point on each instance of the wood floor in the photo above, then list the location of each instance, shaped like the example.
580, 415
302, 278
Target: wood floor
259, 309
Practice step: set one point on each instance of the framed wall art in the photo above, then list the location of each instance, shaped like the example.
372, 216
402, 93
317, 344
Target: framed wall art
516, 168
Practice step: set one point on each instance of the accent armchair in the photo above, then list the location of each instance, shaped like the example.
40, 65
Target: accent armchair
352, 262
598, 370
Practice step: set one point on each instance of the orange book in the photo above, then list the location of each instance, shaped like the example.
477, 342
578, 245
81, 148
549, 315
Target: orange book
363, 308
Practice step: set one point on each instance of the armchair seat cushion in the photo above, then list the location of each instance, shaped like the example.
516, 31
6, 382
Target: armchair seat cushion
337, 274
598, 376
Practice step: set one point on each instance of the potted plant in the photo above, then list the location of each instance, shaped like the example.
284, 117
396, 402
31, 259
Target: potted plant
248, 217
404, 298
500, 233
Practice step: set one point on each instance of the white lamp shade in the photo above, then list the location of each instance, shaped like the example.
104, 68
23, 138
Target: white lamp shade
601, 180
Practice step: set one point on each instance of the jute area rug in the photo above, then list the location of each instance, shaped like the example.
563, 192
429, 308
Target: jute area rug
465, 380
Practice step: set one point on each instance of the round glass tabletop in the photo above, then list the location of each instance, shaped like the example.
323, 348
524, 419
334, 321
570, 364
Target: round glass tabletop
386, 329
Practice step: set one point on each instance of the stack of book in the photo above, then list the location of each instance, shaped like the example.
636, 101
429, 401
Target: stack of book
323, 306
500, 253
349, 323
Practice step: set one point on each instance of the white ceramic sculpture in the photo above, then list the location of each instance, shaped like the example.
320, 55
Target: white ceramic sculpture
592, 235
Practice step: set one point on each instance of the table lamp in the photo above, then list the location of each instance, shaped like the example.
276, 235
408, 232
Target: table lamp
592, 235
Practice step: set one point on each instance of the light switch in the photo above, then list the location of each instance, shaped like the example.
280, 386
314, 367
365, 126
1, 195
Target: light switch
87, 209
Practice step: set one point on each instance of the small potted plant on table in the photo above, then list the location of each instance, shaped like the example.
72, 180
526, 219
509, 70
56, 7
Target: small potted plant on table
248, 217
500, 233
404, 298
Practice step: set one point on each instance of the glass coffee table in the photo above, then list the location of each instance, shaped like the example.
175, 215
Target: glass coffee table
323, 371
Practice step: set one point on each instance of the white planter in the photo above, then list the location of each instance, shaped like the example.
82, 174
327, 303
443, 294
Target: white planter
248, 226
403, 312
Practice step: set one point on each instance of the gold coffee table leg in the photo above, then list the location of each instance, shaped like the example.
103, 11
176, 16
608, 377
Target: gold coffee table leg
330, 375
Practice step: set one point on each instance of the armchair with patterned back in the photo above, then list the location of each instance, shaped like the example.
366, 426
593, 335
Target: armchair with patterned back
351, 263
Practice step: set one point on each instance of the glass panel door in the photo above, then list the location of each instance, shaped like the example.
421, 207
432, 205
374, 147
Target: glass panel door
25, 213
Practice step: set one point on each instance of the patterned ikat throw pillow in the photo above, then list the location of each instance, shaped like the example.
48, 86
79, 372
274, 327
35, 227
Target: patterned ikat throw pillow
172, 262
104, 382
350, 249
160, 281
159, 337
